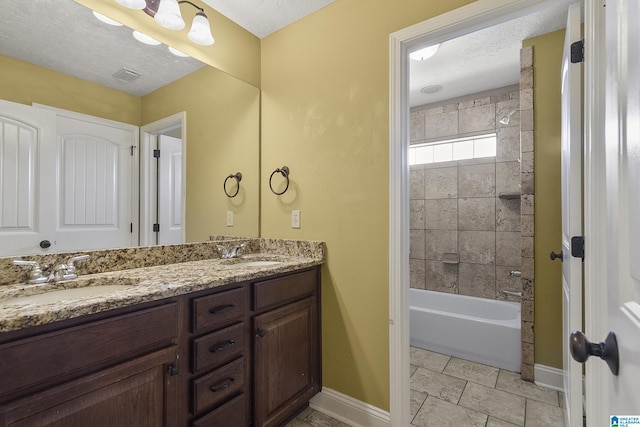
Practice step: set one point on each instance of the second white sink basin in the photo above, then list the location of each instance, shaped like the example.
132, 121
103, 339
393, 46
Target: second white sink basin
63, 294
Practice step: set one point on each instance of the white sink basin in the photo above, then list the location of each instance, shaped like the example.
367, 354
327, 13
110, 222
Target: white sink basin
63, 294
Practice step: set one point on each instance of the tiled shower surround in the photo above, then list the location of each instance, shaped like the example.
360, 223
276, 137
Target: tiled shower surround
465, 215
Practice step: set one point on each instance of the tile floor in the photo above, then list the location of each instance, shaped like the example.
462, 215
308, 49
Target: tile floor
447, 391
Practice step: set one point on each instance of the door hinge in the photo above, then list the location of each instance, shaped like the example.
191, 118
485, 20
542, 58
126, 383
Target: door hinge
156, 154
156, 228
577, 52
577, 247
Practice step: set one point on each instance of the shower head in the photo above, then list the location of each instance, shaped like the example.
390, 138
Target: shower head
505, 119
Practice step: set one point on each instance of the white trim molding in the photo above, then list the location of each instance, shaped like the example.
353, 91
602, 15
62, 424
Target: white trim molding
349, 410
475, 16
549, 377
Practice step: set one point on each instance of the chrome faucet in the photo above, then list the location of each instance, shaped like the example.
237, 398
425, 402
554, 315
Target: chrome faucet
234, 252
62, 271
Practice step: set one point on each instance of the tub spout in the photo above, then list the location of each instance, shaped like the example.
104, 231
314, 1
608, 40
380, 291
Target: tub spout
515, 273
513, 294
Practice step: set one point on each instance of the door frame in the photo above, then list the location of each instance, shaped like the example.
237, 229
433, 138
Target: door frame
475, 16
148, 169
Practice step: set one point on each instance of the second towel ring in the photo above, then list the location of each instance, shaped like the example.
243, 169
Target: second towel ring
284, 171
238, 178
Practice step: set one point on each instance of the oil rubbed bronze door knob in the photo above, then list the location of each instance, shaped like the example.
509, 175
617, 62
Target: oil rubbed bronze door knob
581, 349
554, 256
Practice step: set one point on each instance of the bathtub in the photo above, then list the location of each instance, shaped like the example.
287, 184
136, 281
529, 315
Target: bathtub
477, 329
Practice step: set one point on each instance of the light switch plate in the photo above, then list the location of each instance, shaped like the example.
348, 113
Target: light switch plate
295, 219
229, 218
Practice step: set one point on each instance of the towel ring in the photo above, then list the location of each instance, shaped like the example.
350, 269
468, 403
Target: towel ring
284, 171
238, 178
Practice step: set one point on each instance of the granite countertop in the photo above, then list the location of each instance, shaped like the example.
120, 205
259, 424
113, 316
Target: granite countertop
140, 285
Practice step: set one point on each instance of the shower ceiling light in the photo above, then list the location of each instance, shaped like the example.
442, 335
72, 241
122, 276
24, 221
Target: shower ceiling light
428, 90
424, 53
167, 14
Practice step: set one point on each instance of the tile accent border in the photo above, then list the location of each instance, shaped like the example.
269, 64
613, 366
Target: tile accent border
527, 189
349, 410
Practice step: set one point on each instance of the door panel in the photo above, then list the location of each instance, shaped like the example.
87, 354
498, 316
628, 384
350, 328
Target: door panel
97, 183
27, 138
571, 215
170, 190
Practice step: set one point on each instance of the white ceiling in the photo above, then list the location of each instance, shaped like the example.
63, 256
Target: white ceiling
482, 60
93, 51
263, 17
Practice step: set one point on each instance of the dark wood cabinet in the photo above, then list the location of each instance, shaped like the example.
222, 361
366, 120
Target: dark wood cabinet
286, 347
109, 372
245, 354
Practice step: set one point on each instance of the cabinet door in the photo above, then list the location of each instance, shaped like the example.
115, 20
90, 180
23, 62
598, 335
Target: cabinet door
135, 394
286, 360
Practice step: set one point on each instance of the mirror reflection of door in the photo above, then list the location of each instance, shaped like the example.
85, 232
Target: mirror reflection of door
169, 210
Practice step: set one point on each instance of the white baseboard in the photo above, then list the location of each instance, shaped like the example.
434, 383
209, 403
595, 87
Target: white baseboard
548, 377
349, 410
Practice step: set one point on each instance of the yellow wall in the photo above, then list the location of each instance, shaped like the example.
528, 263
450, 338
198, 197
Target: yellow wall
235, 51
547, 62
25, 83
223, 127
325, 115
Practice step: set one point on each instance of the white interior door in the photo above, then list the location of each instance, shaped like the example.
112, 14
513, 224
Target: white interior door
571, 214
170, 190
97, 183
620, 305
27, 139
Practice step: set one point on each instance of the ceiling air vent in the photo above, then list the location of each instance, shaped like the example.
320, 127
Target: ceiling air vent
126, 75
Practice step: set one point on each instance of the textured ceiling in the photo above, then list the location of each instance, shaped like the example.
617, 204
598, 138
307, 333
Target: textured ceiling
94, 51
482, 60
263, 17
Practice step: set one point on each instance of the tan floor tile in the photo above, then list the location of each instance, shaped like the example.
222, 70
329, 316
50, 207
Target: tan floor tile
438, 385
494, 422
436, 412
471, 371
428, 359
412, 369
417, 399
318, 419
542, 415
497, 403
511, 382
304, 414
296, 423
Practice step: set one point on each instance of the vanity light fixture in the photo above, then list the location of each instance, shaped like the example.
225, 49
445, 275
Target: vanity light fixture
424, 53
167, 14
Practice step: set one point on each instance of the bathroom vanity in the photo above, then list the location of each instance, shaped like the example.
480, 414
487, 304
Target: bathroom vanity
234, 343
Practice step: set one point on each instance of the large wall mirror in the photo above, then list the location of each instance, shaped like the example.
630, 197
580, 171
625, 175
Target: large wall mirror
58, 54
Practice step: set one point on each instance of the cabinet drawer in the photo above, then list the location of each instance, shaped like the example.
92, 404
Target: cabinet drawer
220, 384
53, 357
232, 413
273, 292
218, 348
218, 309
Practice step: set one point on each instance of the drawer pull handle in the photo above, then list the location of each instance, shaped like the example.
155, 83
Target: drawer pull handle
225, 385
221, 309
222, 347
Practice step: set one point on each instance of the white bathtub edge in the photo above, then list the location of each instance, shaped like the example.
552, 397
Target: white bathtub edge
549, 377
349, 410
